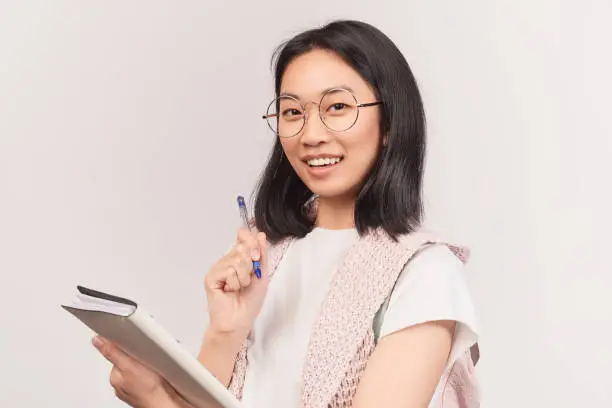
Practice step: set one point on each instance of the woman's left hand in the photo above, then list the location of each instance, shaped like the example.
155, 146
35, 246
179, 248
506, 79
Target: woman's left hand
135, 384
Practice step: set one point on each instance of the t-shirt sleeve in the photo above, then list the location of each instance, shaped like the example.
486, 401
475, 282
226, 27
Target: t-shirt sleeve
433, 287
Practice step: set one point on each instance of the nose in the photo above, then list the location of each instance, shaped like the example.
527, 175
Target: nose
314, 132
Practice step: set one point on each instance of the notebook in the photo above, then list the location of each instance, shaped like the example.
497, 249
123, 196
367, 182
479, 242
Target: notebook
128, 325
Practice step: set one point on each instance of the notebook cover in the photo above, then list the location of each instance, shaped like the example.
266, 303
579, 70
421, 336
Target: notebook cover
135, 334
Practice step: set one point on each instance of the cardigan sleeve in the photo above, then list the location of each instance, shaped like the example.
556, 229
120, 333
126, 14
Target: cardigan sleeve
432, 287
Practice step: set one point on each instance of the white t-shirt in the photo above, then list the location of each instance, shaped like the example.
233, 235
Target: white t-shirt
431, 287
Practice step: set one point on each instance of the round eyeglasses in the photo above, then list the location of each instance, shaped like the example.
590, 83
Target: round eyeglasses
338, 110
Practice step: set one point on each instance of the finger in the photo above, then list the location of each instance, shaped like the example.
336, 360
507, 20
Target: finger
232, 284
260, 285
121, 394
243, 264
243, 274
249, 240
116, 379
238, 261
241, 256
111, 352
217, 278
263, 248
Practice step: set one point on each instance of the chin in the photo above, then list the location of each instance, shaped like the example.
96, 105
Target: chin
331, 190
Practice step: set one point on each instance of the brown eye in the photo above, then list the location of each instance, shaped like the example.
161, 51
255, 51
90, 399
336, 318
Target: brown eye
291, 114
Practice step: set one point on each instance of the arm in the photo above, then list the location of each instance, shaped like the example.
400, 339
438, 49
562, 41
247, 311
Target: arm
234, 299
406, 367
139, 386
218, 354
136, 384
430, 318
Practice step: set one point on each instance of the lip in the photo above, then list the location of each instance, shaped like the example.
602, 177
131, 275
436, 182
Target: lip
320, 156
319, 172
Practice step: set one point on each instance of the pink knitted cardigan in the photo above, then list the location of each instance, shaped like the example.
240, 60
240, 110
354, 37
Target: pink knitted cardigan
342, 338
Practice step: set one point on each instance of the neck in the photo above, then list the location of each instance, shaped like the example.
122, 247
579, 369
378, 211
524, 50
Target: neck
335, 213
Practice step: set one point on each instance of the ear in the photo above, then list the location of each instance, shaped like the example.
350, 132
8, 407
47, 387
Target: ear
385, 140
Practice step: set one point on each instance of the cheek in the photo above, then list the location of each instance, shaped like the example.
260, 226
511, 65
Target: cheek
290, 148
287, 146
364, 159
364, 147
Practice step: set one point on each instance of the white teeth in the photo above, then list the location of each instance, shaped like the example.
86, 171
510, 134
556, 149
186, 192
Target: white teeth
323, 161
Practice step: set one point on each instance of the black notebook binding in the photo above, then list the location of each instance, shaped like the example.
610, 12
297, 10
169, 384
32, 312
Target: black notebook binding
105, 296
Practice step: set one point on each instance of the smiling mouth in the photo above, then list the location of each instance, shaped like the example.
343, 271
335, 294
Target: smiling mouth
324, 162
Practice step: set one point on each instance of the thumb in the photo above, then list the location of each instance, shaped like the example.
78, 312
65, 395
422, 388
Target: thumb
263, 250
259, 286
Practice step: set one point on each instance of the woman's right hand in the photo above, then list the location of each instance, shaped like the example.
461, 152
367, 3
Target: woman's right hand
234, 294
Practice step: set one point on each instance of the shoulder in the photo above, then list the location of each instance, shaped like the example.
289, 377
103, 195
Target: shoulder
423, 238
434, 271
435, 257
432, 286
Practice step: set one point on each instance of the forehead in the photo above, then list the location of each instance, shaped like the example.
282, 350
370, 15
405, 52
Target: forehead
309, 75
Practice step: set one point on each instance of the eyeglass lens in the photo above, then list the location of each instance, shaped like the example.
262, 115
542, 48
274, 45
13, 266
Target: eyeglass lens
338, 110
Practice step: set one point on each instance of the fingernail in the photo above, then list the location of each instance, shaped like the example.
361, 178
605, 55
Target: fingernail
255, 254
97, 341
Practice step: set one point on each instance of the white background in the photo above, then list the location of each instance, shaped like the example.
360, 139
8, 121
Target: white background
127, 128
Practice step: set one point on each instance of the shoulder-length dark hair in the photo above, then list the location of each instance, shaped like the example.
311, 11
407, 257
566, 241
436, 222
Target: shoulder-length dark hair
390, 196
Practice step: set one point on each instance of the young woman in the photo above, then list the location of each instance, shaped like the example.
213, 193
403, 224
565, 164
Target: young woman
358, 306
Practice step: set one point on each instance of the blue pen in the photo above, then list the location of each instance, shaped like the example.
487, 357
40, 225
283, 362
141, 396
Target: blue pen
245, 221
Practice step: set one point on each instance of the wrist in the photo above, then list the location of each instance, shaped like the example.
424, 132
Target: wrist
219, 351
177, 401
167, 397
220, 346
223, 341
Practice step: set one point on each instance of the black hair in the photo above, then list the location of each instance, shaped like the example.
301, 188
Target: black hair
390, 196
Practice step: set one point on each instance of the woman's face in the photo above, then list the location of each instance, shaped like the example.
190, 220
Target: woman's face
332, 164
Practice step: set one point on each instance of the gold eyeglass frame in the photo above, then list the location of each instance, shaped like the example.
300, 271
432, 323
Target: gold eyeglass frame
357, 105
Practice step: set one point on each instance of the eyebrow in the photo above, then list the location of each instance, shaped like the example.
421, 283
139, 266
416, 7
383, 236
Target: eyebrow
348, 88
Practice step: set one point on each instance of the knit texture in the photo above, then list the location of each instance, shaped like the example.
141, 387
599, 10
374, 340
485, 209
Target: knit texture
342, 338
